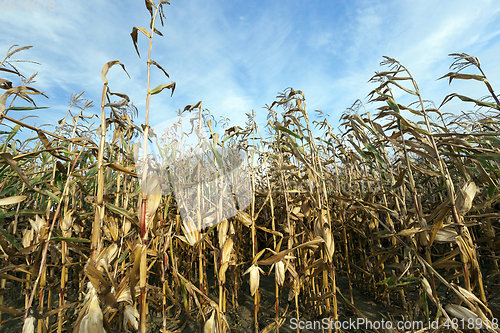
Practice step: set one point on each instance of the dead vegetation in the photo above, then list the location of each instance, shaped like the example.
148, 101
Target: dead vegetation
404, 203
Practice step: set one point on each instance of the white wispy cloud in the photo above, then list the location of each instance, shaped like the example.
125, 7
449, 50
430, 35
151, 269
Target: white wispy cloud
236, 56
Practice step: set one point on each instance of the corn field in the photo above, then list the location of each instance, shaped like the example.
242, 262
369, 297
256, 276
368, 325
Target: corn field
401, 205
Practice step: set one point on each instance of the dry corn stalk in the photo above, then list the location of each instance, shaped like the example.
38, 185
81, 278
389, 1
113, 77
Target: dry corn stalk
364, 187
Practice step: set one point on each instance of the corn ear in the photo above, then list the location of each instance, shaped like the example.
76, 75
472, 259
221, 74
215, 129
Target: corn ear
130, 317
465, 197
254, 271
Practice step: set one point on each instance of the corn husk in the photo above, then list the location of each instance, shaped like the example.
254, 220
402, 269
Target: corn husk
465, 197
29, 325
225, 259
322, 229
426, 285
67, 223
27, 237
445, 236
279, 272
91, 315
254, 271
222, 230
461, 312
40, 228
191, 233
245, 218
211, 324
107, 256
130, 318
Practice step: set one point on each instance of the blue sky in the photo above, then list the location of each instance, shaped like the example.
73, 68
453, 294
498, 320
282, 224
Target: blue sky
236, 56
